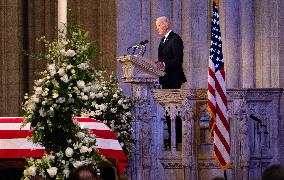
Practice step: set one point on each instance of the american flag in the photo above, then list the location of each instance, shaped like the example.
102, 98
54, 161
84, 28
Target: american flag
13, 142
217, 98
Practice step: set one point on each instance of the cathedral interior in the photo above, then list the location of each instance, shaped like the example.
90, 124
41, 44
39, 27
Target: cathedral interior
253, 44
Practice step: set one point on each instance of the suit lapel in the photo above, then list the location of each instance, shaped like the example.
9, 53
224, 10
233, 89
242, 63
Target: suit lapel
166, 41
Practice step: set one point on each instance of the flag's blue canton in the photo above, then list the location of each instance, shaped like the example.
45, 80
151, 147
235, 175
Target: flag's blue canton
216, 54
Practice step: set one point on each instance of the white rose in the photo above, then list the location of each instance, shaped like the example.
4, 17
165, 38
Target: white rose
69, 66
32, 170
63, 52
38, 90
69, 152
65, 78
52, 72
103, 107
77, 164
85, 98
61, 72
51, 67
80, 84
92, 95
66, 172
80, 135
52, 171
84, 149
70, 53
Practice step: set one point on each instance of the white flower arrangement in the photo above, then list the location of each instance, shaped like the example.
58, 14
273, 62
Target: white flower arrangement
59, 165
71, 87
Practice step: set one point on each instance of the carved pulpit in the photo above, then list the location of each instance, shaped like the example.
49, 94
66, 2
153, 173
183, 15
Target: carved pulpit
254, 128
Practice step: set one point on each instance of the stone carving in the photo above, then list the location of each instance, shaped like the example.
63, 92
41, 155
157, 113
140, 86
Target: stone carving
251, 149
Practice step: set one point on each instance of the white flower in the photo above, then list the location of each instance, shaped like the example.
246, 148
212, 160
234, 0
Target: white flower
26, 172
51, 157
83, 66
69, 66
80, 84
124, 106
113, 110
77, 164
52, 171
32, 170
55, 95
70, 53
85, 98
84, 149
80, 135
115, 96
99, 95
92, 95
98, 112
69, 152
103, 107
73, 71
51, 67
30, 105
61, 72
66, 172
65, 78
63, 52
60, 100
42, 112
38, 90
120, 102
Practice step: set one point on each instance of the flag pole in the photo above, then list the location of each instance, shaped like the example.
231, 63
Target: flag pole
225, 175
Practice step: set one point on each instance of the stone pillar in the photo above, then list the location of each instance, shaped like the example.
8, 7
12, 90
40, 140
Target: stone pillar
229, 22
200, 23
274, 38
247, 44
186, 37
127, 30
263, 44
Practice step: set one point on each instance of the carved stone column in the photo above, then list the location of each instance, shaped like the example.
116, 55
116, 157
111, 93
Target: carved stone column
247, 44
229, 22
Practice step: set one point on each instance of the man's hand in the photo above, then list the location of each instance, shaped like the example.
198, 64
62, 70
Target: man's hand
161, 66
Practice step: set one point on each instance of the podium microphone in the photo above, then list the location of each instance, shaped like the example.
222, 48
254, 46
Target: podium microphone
135, 46
139, 44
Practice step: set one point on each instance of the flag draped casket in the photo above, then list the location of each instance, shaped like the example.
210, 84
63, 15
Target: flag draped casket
13, 142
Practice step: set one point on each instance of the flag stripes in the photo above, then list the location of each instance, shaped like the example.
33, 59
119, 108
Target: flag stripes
217, 98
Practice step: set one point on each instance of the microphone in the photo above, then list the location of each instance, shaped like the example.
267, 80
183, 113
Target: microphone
139, 44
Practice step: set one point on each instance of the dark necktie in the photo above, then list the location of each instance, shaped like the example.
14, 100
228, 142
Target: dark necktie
162, 40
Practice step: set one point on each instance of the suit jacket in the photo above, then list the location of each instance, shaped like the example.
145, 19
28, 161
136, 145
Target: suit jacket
171, 53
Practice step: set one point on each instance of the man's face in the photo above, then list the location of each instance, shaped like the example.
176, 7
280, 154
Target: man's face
162, 27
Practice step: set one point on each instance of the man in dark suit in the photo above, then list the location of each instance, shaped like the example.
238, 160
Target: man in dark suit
170, 55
